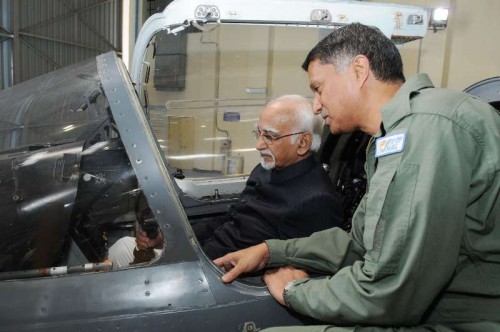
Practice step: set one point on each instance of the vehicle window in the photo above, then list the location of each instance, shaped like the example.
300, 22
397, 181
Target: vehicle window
204, 92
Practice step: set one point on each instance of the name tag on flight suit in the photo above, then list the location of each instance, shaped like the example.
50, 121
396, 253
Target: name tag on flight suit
391, 144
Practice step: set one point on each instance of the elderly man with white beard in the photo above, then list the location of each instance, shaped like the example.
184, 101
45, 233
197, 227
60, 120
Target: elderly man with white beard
288, 195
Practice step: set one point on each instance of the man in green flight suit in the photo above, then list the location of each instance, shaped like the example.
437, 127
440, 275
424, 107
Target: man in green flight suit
424, 250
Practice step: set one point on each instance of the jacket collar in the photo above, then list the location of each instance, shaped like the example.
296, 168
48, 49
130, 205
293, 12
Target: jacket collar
399, 106
290, 172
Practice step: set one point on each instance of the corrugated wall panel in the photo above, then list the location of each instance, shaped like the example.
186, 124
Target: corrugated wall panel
57, 33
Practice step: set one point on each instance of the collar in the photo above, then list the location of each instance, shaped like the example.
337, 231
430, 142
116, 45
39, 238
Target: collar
290, 172
399, 106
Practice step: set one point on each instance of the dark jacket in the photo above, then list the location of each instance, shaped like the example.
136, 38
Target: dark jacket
276, 204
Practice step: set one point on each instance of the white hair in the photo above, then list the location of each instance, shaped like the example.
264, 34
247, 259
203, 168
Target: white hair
305, 119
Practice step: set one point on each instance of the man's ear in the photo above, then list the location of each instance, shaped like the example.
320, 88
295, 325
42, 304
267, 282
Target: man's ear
361, 68
304, 143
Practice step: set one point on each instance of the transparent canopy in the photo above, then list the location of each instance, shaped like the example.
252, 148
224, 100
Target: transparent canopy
60, 107
203, 91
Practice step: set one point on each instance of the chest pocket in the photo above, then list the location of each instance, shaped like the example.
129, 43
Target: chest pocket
388, 212
379, 186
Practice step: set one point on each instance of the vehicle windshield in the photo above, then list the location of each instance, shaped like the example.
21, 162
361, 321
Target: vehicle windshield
60, 107
203, 91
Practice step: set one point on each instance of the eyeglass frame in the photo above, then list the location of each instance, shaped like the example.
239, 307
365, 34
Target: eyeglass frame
269, 139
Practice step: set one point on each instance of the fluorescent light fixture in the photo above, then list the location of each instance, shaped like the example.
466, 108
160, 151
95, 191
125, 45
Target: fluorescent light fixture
440, 14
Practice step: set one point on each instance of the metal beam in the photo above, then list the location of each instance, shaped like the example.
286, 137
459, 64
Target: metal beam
5, 35
6, 48
16, 50
63, 42
104, 39
60, 17
72, 12
4, 31
42, 54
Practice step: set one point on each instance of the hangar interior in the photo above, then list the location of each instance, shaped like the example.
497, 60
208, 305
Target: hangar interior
255, 63
206, 86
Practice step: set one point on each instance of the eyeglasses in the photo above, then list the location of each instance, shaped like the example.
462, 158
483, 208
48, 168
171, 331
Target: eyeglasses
268, 138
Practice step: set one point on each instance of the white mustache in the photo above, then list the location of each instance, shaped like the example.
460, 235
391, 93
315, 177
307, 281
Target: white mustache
267, 165
266, 153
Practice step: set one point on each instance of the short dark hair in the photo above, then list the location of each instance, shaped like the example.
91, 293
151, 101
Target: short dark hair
341, 46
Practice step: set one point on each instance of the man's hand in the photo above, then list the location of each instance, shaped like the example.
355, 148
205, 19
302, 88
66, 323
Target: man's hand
277, 279
242, 261
143, 241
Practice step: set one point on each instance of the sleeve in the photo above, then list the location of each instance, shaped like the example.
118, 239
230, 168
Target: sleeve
413, 220
322, 252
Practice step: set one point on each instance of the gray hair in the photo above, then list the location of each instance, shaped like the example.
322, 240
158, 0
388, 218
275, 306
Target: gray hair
305, 119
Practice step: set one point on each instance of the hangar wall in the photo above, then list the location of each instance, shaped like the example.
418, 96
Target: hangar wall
37, 37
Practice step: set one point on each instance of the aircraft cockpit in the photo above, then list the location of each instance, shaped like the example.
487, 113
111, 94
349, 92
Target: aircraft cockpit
71, 180
87, 147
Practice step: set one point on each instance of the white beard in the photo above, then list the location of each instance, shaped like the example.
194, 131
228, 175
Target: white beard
267, 165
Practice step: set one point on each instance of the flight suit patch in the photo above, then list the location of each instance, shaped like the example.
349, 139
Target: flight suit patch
389, 144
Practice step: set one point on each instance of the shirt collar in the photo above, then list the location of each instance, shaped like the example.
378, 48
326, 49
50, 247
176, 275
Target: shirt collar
399, 106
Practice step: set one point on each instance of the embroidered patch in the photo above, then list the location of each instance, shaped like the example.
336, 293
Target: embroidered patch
389, 144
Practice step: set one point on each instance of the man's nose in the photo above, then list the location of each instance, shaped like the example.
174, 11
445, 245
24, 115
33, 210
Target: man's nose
261, 145
317, 106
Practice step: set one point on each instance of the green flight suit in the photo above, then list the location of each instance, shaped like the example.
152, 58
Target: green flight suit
425, 243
